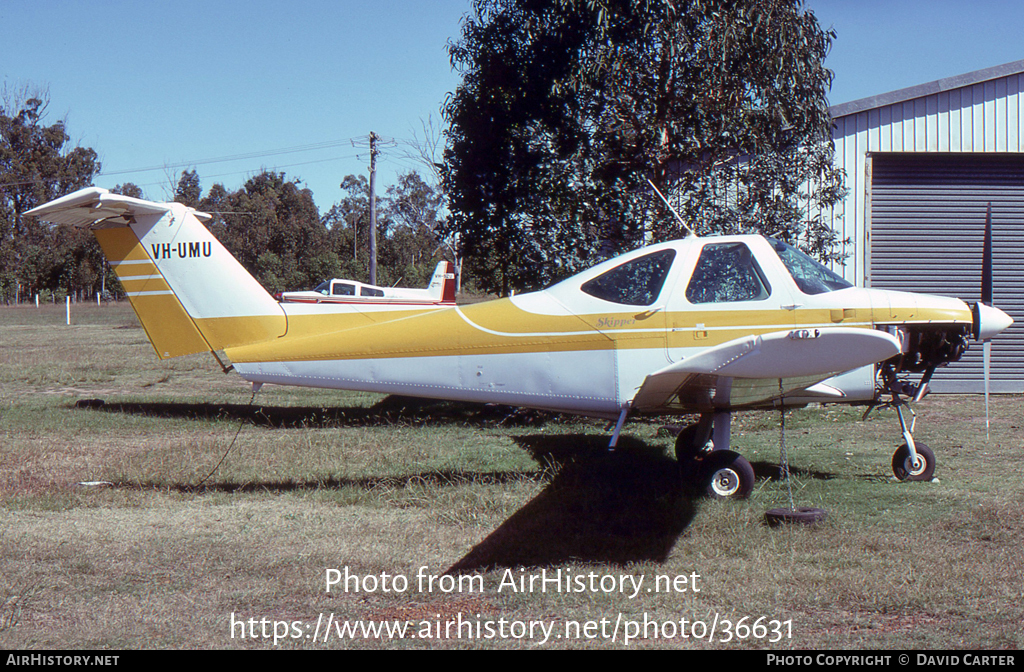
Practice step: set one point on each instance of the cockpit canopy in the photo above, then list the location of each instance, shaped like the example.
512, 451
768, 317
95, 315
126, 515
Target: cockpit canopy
726, 271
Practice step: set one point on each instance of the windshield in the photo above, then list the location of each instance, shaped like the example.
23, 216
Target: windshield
810, 276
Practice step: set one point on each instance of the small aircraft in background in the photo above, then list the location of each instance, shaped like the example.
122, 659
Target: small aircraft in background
440, 291
699, 325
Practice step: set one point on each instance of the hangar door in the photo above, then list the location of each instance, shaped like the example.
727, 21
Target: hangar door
927, 229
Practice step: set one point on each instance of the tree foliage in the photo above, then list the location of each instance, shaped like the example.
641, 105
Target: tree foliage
568, 107
274, 229
188, 191
271, 224
37, 165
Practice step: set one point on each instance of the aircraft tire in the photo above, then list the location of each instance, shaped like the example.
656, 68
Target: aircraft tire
691, 440
727, 475
905, 470
804, 515
690, 472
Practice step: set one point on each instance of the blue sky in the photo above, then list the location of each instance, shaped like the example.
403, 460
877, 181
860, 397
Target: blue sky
157, 83
885, 45
150, 83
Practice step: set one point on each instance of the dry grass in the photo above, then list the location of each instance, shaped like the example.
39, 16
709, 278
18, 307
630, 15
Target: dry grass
319, 480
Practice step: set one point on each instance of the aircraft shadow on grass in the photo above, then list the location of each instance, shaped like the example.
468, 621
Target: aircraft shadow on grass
621, 506
624, 506
391, 410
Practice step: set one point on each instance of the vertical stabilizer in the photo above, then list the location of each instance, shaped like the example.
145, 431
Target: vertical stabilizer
189, 293
442, 283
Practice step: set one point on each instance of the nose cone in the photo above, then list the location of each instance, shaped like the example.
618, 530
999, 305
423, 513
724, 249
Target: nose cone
989, 321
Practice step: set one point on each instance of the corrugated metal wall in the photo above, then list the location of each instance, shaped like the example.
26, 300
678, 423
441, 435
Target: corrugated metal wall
927, 228
921, 164
983, 117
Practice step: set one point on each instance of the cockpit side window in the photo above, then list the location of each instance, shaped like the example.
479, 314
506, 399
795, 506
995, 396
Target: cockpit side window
634, 283
726, 272
343, 289
810, 276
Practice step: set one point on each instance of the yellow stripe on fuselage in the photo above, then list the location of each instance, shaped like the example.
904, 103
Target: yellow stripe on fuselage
497, 327
500, 327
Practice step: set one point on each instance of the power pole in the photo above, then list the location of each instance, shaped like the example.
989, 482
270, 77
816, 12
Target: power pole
373, 207
376, 142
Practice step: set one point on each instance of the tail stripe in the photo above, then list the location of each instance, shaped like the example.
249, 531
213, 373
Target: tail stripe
169, 328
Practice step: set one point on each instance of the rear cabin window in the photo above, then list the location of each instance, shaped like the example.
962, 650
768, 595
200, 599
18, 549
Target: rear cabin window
634, 283
369, 291
726, 272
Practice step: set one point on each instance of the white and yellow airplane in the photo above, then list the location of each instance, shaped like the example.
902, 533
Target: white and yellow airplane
699, 325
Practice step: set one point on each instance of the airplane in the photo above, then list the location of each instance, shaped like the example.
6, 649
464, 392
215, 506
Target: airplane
441, 290
708, 326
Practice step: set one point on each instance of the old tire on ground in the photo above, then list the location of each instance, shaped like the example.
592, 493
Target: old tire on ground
726, 474
904, 467
804, 515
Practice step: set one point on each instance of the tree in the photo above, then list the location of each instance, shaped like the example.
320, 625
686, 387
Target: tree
273, 228
188, 190
36, 166
353, 213
408, 216
128, 189
411, 213
568, 107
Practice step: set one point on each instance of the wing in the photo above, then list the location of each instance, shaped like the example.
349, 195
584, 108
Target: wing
749, 371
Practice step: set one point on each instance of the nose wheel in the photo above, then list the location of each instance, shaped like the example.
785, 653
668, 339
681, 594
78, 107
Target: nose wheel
913, 461
907, 466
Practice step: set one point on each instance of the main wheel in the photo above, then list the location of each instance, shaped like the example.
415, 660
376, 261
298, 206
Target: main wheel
690, 453
905, 468
727, 475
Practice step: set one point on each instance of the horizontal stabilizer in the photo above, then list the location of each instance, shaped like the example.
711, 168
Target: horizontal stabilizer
92, 205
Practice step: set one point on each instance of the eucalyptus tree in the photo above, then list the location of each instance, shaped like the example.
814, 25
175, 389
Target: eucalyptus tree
37, 164
568, 107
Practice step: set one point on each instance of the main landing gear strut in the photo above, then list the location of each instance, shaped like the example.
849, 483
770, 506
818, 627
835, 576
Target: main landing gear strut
707, 464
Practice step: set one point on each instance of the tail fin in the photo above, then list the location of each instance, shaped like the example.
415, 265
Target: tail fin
442, 284
189, 293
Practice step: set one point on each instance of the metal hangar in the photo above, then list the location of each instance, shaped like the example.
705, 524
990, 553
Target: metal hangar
922, 165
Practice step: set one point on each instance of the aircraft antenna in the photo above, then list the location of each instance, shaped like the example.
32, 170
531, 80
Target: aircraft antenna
665, 201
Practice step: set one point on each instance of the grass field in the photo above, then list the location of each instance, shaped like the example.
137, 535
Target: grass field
458, 501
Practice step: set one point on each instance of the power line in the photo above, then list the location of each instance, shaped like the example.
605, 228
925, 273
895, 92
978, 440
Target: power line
149, 184
235, 157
